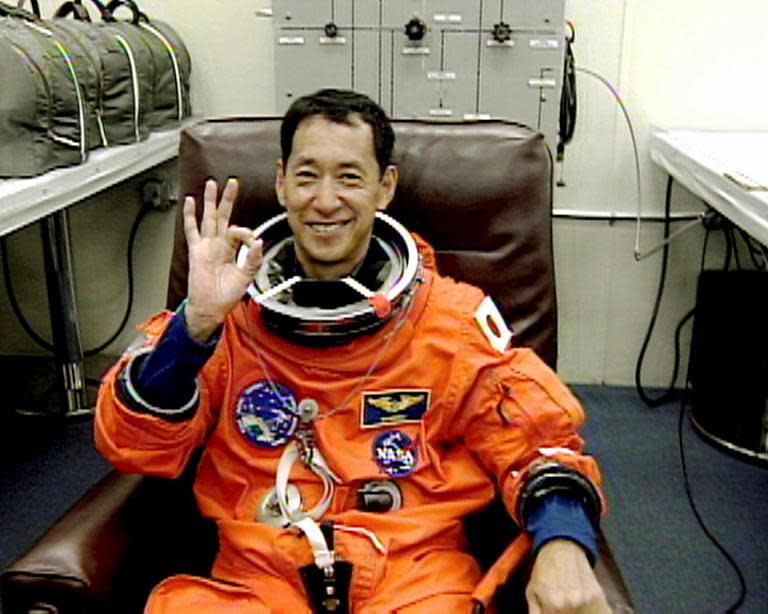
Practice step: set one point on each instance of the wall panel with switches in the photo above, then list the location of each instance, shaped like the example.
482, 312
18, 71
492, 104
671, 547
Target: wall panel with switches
452, 59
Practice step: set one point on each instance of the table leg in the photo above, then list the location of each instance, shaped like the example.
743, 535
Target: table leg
65, 325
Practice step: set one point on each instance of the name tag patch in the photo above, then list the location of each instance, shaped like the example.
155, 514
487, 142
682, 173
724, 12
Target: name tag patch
388, 407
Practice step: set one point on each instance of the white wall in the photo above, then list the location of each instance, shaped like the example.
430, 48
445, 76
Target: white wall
698, 63
688, 63
682, 64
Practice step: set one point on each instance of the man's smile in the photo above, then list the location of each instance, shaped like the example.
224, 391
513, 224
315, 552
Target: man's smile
327, 227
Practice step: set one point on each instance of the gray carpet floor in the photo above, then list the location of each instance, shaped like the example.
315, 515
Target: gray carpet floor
669, 563
667, 560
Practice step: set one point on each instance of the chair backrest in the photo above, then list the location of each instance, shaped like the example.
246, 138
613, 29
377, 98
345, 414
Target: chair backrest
479, 192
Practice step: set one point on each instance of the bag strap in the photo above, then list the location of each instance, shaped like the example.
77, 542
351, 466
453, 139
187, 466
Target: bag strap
106, 15
8, 10
35, 7
136, 14
74, 8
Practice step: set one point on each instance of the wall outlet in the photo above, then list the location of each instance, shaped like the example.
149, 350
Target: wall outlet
156, 193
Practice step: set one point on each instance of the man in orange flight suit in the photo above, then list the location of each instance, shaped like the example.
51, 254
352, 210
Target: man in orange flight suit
302, 444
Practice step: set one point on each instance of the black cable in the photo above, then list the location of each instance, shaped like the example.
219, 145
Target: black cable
734, 565
681, 447
707, 230
692, 312
734, 247
568, 101
48, 347
728, 251
131, 240
670, 393
568, 106
28, 328
754, 252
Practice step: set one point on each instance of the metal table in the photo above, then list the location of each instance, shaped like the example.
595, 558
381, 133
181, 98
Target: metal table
729, 171
46, 198
726, 169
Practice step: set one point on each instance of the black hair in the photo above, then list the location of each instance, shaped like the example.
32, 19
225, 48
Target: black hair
341, 106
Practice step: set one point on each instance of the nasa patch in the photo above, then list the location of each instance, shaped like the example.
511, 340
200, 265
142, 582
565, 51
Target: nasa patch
395, 453
267, 414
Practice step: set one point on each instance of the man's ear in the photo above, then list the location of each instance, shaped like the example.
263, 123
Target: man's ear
388, 186
280, 183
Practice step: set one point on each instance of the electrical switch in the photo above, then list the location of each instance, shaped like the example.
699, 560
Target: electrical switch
331, 30
415, 29
502, 32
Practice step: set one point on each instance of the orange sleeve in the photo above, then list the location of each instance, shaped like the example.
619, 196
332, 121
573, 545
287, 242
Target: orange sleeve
519, 413
136, 442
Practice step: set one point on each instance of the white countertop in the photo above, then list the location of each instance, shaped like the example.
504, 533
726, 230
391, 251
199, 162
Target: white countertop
23, 201
728, 170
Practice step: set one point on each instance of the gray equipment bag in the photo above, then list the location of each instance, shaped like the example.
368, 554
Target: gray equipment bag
44, 105
82, 61
172, 102
127, 68
71, 85
87, 64
172, 67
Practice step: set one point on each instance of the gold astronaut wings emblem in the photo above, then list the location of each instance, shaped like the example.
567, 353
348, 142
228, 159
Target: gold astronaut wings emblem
392, 404
387, 407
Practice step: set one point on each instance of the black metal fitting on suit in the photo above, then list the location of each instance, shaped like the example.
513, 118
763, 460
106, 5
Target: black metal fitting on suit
379, 496
555, 478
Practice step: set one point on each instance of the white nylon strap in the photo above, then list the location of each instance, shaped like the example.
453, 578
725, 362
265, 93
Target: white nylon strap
377, 543
318, 466
324, 557
306, 521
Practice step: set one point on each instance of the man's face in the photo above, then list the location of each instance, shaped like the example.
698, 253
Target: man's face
331, 187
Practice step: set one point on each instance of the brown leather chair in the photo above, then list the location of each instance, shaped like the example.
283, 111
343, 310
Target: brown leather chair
480, 193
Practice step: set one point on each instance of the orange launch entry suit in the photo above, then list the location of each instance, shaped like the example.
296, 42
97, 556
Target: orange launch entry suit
426, 402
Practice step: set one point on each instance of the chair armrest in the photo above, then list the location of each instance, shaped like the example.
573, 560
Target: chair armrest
73, 566
108, 551
129, 532
506, 579
489, 533
609, 576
